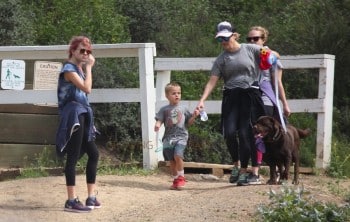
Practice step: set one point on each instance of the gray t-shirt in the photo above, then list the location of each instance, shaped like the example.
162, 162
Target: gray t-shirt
239, 69
266, 75
175, 119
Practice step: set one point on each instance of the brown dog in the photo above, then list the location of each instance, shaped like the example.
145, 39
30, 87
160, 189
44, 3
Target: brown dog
282, 148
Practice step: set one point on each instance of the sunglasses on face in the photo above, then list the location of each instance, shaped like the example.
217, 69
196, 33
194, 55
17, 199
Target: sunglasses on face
255, 38
83, 51
223, 39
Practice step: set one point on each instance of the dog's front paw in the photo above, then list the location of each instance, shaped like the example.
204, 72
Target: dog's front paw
272, 182
295, 182
283, 182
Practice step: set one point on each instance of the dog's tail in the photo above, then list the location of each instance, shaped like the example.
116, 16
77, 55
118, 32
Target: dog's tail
303, 132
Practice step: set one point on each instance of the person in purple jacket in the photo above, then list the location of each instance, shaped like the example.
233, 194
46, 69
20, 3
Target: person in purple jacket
258, 35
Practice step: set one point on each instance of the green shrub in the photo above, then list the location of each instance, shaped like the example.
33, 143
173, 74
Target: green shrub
46, 158
127, 150
293, 205
308, 144
206, 144
340, 165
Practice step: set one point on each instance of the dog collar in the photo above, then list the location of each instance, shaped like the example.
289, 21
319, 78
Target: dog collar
276, 136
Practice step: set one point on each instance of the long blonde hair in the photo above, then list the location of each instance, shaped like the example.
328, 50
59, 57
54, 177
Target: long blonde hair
264, 32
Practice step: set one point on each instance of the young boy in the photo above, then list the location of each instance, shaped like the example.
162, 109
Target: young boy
176, 119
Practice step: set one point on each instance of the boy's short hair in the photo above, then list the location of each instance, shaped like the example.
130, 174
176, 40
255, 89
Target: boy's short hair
171, 85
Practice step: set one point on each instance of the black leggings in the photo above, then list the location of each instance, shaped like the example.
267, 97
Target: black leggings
77, 146
239, 111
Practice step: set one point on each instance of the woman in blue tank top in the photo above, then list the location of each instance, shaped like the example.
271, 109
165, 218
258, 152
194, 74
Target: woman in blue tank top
76, 132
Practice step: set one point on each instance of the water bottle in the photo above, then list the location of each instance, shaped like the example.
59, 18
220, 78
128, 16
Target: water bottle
204, 116
272, 59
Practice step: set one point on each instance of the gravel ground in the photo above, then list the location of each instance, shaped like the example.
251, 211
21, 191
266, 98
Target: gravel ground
145, 198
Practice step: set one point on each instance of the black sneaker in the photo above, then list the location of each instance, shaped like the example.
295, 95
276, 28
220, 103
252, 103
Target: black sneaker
242, 180
76, 206
92, 203
234, 175
253, 179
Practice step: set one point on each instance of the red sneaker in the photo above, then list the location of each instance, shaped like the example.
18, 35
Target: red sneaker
181, 181
175, 184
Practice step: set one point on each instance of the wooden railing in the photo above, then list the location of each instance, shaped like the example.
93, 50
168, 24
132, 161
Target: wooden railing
322, 105
145, 94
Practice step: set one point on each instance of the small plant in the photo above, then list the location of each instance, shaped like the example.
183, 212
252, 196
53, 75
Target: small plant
32, 173
46, 158
264, 171
347, 197
293, 205
339, 164
132, 169
42, 161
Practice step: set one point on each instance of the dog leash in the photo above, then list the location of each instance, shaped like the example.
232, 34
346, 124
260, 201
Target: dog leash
277, 98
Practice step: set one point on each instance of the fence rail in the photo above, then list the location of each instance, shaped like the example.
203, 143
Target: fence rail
322, 105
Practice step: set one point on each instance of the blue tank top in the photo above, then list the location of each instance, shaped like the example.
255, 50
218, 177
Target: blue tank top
67, 91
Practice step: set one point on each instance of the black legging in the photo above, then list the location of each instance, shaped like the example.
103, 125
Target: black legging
240, 108
77, 146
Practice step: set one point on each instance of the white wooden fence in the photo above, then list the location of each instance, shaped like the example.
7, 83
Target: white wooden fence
322, 105
145, 94
151, 98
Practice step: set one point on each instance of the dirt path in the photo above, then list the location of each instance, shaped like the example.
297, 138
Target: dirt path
142, 198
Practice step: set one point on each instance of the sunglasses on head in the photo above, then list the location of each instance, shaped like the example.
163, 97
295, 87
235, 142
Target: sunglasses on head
82, 51
223, 39
255, 38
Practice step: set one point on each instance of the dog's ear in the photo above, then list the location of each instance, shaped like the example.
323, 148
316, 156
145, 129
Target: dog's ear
276, 124
270, 124
272, 121
259, 119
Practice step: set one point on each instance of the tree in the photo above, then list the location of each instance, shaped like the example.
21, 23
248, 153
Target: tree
15, 27
56, 21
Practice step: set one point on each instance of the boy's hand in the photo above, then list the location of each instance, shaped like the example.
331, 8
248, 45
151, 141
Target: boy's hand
195, 113
157, 126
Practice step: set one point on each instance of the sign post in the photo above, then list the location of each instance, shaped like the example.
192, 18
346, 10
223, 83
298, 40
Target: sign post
12, 74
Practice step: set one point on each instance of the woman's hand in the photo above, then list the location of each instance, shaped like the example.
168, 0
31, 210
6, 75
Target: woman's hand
91, 61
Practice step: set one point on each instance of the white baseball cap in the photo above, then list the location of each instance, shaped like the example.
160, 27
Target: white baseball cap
224, 29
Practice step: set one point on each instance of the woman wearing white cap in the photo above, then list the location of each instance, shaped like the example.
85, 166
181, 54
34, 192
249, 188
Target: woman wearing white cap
238, 66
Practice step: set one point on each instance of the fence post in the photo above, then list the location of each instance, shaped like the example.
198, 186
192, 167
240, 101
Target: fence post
147, 94
324, 119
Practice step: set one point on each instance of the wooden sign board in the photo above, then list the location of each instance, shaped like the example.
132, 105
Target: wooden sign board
46, 75
12, 74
